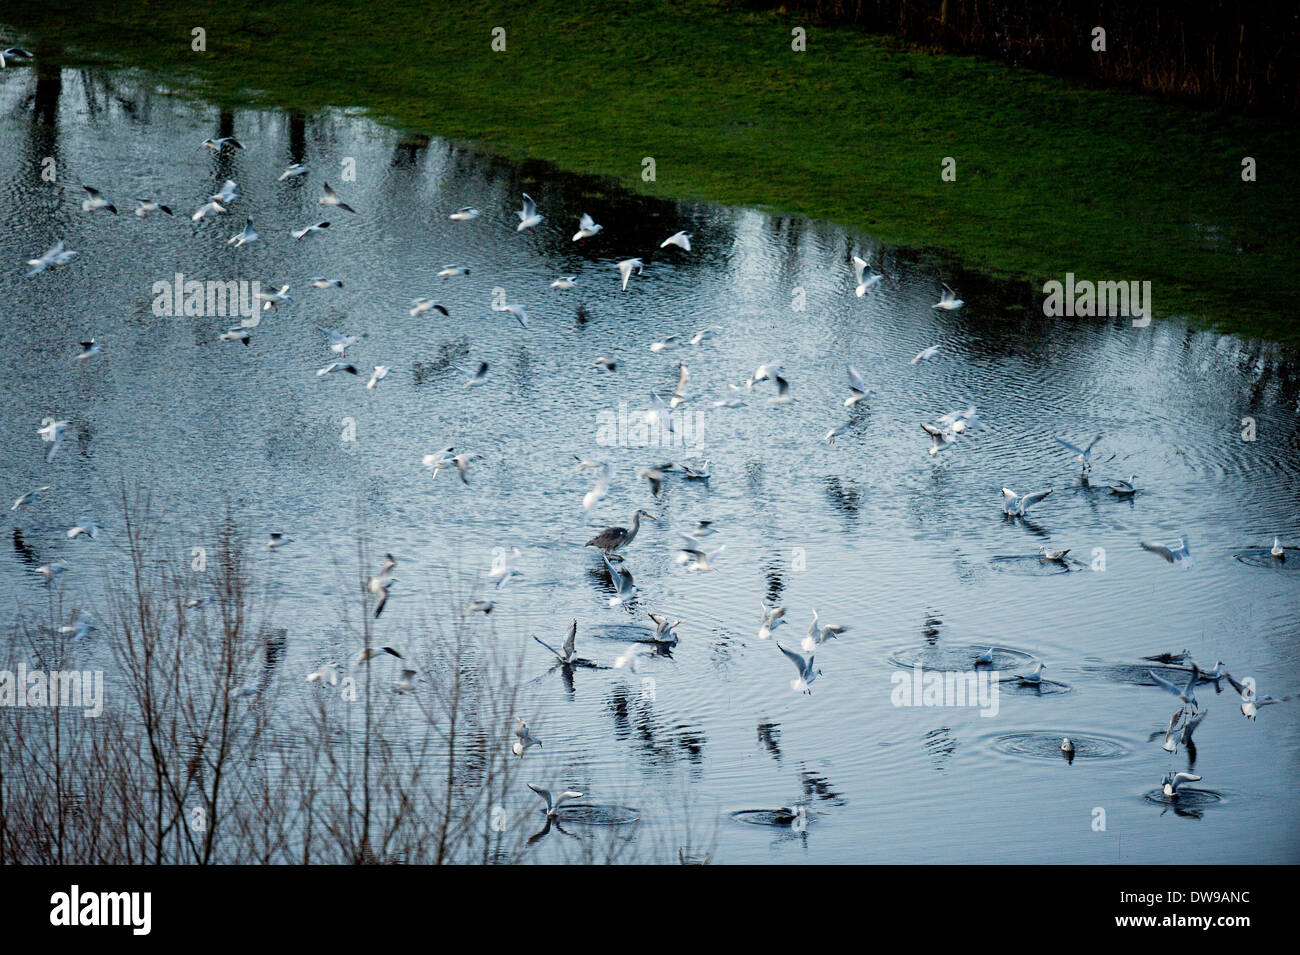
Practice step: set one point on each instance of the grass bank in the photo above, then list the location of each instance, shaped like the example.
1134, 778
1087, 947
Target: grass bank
1052, 176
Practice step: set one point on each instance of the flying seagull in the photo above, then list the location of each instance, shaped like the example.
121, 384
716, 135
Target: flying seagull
680, 239
587, 228
529, 218
803, 682
625, 269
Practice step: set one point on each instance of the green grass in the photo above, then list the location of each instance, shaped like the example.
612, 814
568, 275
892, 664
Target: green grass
1052, 176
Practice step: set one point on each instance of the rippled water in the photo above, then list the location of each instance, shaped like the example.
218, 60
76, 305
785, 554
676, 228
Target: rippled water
911, 552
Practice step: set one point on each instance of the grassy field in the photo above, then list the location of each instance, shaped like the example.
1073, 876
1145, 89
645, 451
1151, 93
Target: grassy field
1052, 176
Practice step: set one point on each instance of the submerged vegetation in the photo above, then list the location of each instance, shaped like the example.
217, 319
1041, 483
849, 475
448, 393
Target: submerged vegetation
1051, 176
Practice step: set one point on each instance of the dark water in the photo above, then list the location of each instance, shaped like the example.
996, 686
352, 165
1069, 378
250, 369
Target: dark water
911, 552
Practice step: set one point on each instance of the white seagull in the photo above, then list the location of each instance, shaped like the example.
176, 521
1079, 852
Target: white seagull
1084, 455
216, 144
147, 206
948, 300
803, 682
242, 238
29, 497
54, 256
866, 278
567, 653
294, 169
625, 269
587, 228
96, 201
773, 617
380, 373
529, 218
857, 387
52, 434
1017, 505
925, 354
331, 198
680, 239
553, 805
305, 231
464, 214
523, 739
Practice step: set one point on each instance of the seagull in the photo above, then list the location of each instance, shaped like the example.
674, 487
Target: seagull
240, 239
406, 681
612, 539
782, 396
773, 617
564, 282
86, 527
370, 652
212, 207
310, 230
336, 366
958, 422
451, 270
29, 497
597, 493
802, 683
697, 559
1067, 746
1053, 555
294, 169
380, 373
474, 376
1170, 745
81, 626
524, 739
925, 354
439, 461
520, 315
339, 343
318, 281
464, 214
703, 335
484, 607
382, 582
567, 653
1034, 677
504, 571
89, 350
14, 52
1017, 505
272, 300
52, 433
1171, 781
665, 629
149, 205
529, 218
694, 472
1188, 692
331, 198
54, 256
625, 269
462, 462
1176, 552
1189, 727
223, 141
419, 305
326, 673
194, 603
680, 239
630, 658
679, 395
665, 344
624, 586
587, 228
52, 572
239, 334
96, 201
1251, 701
948, 300
1124, 488
653, 476
866, 278
1084, 454
765, 372
226, 194
1277, 550
857, 387
276, 539
984, 658
939, 440
817, 635
553, 806
246, 690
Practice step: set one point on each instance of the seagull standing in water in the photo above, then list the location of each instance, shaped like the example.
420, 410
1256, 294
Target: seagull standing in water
529, 217
1084, 454
1056, 556
1277, 550
948, 300
1124, 488
803, 682
680, 239
553, 805
331, 198
1034, 677
1017, 505
625, 269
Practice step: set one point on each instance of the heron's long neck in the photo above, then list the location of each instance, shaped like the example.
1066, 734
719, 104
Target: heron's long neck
636, 526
